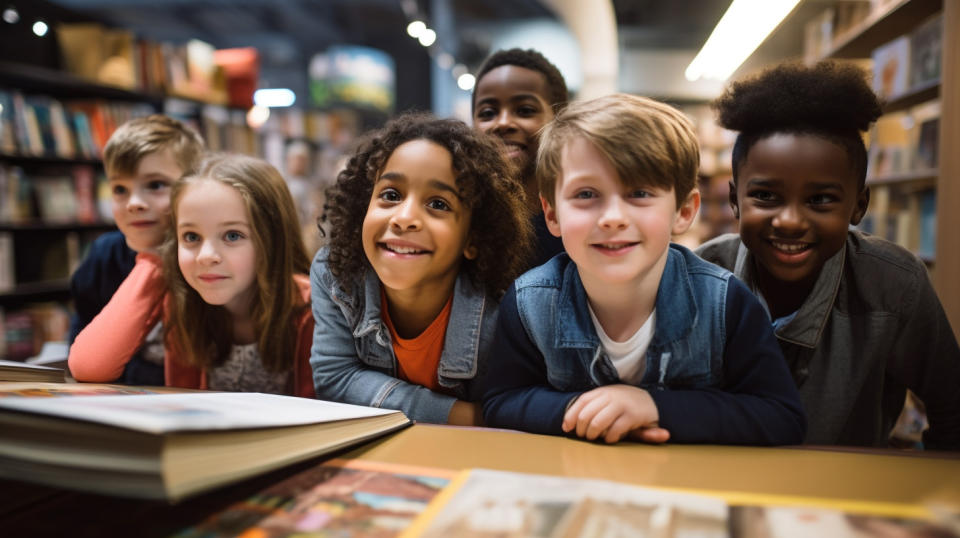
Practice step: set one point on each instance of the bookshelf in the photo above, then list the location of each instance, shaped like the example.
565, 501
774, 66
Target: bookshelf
909, 187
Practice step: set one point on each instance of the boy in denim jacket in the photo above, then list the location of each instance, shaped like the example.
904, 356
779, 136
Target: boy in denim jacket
626, 335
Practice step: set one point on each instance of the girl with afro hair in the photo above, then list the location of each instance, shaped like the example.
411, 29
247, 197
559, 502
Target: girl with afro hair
855, 315
427, 230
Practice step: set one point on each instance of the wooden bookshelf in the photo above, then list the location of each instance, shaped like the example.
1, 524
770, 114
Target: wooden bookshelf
892, 20
916, 96
56, 226
948, 186
925, 178
36, 291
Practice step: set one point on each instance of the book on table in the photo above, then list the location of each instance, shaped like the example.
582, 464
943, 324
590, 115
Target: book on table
21, 371
170, 446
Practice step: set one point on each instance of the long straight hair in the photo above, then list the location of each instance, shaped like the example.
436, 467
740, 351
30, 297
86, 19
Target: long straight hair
205, 331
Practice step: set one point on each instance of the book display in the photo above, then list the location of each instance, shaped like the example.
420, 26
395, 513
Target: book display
170, 446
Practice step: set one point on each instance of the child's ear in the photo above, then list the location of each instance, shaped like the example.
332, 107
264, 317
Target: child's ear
863, 201
470, 251
733, 200
550, 214
687, 212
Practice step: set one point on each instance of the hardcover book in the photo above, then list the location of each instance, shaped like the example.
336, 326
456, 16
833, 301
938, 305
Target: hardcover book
170, 446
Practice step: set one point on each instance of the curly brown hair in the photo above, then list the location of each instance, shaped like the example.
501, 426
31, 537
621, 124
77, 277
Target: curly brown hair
499, 227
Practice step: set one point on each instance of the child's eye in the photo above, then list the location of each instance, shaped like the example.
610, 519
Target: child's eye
640, 193
762, 196
527, 111
486, 113
822, 199
439, 204
232, 236
119, 190
189, 237
584, 195
389, 195
157, 185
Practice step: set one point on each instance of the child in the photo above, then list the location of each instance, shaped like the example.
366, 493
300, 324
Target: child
517, 93
234, 306
626, 335
142, 160
427, 230
856, 316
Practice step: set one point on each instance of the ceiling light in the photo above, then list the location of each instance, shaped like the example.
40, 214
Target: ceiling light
427, 37
740, 31
10, 15
445, 60
416, 28
274, 97
466, 82
257, 116
40, 28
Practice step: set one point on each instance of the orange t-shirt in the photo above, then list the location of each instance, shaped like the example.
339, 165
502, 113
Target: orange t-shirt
418, 358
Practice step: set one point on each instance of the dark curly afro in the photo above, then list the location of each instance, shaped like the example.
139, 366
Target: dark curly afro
831, 99
533, 60
499, 227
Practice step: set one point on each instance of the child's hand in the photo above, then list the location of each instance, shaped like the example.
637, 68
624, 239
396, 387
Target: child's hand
612, 412
465, 413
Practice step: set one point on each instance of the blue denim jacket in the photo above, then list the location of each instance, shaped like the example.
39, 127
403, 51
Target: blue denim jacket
352, 356
714, 369
685, 350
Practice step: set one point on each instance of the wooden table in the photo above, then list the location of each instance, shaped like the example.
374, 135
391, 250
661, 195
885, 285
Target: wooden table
879, 482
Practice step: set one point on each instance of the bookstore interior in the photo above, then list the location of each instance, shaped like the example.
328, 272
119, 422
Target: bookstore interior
297, 83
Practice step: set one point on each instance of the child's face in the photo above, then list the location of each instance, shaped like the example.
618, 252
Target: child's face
215, 246
615, 234
141, 202
513, 103
416, 229
796, 196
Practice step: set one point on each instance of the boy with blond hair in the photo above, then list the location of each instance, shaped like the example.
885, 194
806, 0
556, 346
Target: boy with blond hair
627, 335
142, 159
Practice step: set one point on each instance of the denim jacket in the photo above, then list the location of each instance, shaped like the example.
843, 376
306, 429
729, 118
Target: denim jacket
714, 368
353, 359
871, 328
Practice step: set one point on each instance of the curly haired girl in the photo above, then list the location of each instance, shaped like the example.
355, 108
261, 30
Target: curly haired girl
855, 315
427, 231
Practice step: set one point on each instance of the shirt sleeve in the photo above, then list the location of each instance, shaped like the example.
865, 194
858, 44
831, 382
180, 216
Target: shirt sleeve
758, 402
927, 361
106, 344
516, 391
339, 374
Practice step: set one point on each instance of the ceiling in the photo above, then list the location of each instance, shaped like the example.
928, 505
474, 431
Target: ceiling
288, 32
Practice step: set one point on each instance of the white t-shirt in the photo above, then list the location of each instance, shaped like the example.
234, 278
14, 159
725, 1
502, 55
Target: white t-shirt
629, 357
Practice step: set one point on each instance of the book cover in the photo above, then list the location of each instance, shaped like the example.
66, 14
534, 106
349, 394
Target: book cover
56, 200
169, 446
891, 68
356, 498
928, 145
926, 49
84, 185
8, 279
8, 137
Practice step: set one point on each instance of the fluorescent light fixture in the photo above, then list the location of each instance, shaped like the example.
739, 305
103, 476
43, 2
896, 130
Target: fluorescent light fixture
740, 31
415, 28
427, 37
40, 28
274, 97
466, 82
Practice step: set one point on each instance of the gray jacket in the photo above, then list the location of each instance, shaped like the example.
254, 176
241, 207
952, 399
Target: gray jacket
871, 328
352, 355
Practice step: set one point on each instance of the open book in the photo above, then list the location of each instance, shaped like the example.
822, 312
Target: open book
169, 446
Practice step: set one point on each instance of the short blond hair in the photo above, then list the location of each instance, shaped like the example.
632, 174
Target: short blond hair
649, 143
140, 137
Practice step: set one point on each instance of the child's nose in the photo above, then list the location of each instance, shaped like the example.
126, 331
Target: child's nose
208, 253
789, 218
504, 121
407, 216
136, 202
613, 216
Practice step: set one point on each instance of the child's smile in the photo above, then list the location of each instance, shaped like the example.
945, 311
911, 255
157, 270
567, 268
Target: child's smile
415, 232
797, 196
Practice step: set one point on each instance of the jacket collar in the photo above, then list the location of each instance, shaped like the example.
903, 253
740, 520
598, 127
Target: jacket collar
806, 328
461, 345
675, 301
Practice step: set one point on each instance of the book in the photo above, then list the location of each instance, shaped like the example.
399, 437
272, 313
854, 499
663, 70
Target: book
21, 371
891, 68
926, 49
171, 446
332, 498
